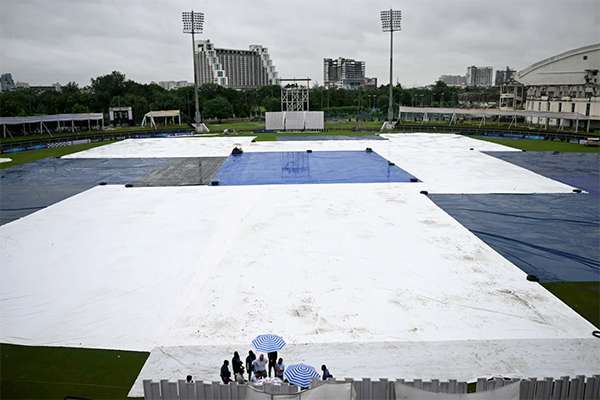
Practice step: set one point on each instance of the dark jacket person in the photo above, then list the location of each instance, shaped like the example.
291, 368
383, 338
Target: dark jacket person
225, 372
249, 360
236, 363
272, 357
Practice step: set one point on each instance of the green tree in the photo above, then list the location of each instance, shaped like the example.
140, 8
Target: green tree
218, 108
271, 103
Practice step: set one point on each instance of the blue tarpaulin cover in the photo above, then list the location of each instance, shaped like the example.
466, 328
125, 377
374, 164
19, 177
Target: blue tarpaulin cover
30, 187
309, 167
581, 170
553, 236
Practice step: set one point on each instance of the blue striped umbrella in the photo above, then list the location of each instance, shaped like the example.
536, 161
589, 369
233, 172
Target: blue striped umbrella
300, 374
268, 343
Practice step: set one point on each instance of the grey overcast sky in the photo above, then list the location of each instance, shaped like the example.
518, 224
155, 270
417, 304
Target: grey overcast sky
46, 41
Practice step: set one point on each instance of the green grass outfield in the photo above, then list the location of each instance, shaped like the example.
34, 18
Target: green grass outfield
273, 136
583, 297
542, 145
250, 126
32, 155
34, 372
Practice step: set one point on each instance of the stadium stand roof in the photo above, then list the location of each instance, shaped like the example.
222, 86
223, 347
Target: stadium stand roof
42, 120
491, 112
33, 119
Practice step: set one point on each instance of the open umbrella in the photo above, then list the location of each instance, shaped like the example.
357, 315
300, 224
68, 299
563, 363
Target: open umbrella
300, 375
268, 343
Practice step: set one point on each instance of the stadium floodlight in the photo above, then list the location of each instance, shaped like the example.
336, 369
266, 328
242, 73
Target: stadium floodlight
193, 22
390, 22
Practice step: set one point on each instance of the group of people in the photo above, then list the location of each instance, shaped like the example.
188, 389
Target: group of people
257, 368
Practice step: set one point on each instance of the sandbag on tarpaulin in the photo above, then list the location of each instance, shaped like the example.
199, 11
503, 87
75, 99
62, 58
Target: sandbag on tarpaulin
553, 236
581, 170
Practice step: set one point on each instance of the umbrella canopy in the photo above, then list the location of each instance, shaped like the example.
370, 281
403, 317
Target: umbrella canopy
300, 374
268, 343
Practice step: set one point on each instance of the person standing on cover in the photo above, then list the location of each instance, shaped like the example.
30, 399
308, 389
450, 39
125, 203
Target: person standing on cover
225, 372
236, 363
249, 360
272, 361
259, 367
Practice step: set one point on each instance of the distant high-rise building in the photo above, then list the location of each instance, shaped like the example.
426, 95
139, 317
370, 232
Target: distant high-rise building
479, 76
236, 69
504, 76
453, 80
170, 85
6, 82
345, 73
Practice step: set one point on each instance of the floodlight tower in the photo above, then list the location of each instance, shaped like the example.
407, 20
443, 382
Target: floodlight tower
193, 22
390, 22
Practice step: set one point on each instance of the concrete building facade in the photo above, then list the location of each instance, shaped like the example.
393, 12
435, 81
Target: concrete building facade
479, 76
504, 76
170, 85
345, 73
6, 83
567, 82
235, 69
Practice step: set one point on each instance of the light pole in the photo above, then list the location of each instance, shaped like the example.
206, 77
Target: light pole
193, 22
390, 22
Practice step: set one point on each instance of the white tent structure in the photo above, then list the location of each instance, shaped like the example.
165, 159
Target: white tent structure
149, 117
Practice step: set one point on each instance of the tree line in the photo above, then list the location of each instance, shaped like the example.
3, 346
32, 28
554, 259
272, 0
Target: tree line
217, 102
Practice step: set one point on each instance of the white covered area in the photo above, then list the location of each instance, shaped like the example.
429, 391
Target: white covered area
444, 162
348, 274
136, 268
5, 159
166, 116
295, 120
166, 147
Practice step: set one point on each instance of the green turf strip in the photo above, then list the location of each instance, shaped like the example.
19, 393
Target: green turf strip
583, 297
543, 145
32, 372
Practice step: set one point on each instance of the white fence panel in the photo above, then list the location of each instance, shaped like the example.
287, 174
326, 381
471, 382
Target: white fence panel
274, 121
314, 120
508, 392
294, 120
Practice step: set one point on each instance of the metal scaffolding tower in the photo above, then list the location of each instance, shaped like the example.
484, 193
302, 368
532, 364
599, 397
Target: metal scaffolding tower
295, 94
